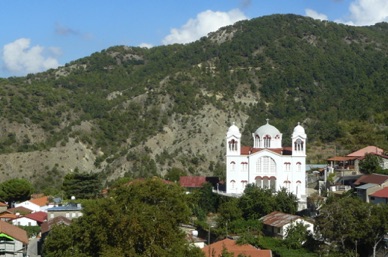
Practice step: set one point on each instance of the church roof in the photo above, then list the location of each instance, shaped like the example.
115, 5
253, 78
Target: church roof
247, 150
267, 129
298, 130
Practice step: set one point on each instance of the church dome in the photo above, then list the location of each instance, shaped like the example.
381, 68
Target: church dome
299, 130
234, 130
267, 129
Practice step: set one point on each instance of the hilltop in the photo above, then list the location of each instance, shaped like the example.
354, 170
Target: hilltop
130, 111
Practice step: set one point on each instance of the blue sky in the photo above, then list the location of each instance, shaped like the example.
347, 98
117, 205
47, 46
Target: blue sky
38, 35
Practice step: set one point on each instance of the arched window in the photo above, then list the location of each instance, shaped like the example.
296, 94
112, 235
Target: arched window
265, 164
258, 180
232, 166
232, 182
244, 166
298, 145
257, 141
272, 183
232, 145
287, 166
267, 141
265, 182
299, 166
244, 183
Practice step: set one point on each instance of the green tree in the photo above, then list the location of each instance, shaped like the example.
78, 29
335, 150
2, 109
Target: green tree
256, 202
174, 174
82, 185
16, 189
296, 235
340, 223
286, 202
370, 164
138, 219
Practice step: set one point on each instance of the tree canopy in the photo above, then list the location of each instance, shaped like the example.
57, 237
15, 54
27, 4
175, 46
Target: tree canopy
138, 219
15, 190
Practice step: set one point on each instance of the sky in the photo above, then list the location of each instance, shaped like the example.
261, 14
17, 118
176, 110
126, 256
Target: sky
39, 35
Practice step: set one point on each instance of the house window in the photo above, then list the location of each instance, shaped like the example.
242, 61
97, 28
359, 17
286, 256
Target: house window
287, 166
51, 215
67, 215
232, 182
73, 215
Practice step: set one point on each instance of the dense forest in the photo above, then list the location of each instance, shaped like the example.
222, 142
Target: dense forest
330, 77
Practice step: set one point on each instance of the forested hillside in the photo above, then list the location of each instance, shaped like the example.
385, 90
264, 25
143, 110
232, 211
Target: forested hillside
130, 111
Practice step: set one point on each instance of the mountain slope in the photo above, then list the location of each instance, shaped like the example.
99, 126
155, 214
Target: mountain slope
140, 112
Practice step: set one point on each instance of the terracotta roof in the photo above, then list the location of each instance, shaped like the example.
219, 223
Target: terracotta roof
42, 201
383, 193
8, 216
278, 219
372, 178
14, 232
247, 150
3, 204
232, 247
190, 181
365, 150
342, 158
20, 209
47, 225
39, 216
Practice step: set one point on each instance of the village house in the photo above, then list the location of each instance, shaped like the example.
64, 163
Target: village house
13, 240
277, 223
231, 246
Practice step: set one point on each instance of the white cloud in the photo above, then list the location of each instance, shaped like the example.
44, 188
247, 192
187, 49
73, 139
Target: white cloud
315, 15
145, 45
205, 22
21, 58
368, 12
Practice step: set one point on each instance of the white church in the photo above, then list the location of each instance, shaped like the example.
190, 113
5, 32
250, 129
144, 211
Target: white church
267, 164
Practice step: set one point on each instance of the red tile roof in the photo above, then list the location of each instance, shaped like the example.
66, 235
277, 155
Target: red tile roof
42, 201
3, 204
383, 193
247, 150
278, 219
47, 225
342, 158
231, 246
39, 216
365, 150
371, 178
14, 232
190, 181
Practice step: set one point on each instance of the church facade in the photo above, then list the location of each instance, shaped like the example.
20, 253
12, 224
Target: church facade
266, 164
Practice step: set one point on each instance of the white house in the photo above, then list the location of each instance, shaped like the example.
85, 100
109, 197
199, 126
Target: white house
277, 223
266, 163
34, 205
31, 219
